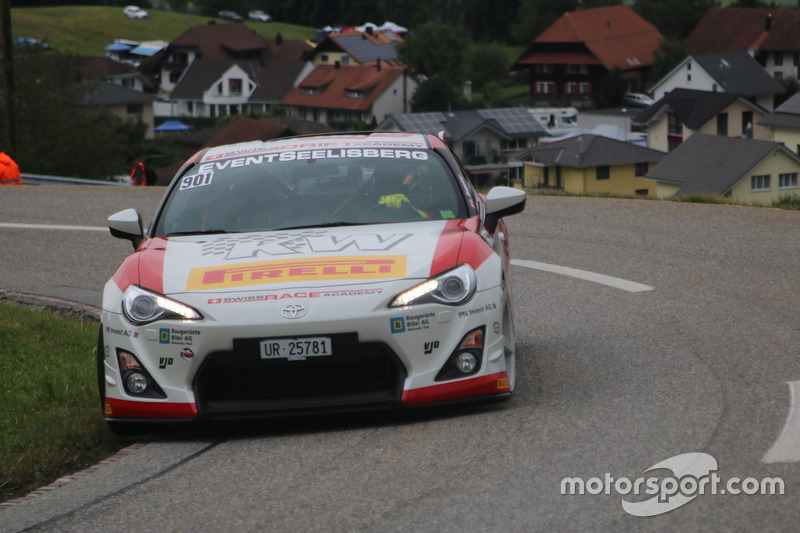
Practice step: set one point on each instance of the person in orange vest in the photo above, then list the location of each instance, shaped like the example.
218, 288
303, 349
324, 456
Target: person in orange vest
138, 172
9, 171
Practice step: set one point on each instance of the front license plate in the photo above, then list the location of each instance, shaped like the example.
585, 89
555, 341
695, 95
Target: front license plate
299, 348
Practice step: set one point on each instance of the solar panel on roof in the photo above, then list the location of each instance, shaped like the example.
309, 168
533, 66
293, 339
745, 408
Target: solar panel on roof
512, 120
421, 122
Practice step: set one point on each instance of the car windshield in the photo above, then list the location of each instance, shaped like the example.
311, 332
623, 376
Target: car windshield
265, 193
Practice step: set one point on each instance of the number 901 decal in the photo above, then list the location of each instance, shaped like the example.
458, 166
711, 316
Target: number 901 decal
198, 180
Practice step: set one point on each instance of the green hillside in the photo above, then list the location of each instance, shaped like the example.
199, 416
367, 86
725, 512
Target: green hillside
87, 30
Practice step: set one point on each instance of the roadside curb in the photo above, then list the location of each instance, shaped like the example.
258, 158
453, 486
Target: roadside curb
53, 305
70, 310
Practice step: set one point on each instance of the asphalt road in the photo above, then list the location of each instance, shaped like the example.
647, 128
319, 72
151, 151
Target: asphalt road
610, 383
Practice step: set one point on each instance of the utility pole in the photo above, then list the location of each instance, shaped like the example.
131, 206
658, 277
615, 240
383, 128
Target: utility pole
7, 61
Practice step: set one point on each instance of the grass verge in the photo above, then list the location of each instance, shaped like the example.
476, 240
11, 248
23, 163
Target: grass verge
51, 423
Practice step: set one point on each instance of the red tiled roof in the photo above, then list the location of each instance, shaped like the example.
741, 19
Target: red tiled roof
333, 84
615, 35
731, 29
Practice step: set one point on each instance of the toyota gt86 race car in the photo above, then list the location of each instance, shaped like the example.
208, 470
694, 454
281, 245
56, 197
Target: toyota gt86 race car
305, 274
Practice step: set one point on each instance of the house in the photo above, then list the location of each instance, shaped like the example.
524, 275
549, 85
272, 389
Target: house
573, 55
483, 140
128, 104
105, 69
591, 164
367, 94
212, 41
784, 123
682, 112
357, 48
770, 35
744, 170
728, 72
215, 88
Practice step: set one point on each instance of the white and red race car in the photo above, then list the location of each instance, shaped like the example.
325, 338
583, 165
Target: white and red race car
306, 274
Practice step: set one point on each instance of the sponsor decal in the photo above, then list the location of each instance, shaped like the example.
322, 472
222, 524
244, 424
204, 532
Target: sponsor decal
411, 322
398, 324
307, 269
431, 346
177, 336
305, 242
122, 332
469, 312
293, 295
164, 362
310, 155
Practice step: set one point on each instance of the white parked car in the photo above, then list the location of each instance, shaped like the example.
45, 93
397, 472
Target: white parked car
308, 274
259, 16
135, 12
637, 100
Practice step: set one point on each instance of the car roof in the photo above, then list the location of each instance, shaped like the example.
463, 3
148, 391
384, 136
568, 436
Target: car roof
333, 141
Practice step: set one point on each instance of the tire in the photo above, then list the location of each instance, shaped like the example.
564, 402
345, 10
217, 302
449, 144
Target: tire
101, 372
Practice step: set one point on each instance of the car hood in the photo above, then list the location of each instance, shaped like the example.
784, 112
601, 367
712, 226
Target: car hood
310, 258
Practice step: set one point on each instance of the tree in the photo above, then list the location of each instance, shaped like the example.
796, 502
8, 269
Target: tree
56, 134
675, 19
485, 63
435, 49
668, 55
437, 93
612, 89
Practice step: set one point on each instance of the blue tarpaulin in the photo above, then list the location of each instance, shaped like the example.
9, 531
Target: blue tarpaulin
118, 47
173, 125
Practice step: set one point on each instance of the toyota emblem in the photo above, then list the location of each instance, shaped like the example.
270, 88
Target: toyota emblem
293, 311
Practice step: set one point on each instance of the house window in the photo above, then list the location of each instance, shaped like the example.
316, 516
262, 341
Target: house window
219, 88
545, 87
779, 76
514, 144
235, 86
689, 78
603, 172
675, 126
747, 124
544, 69
778, 59
673, 142
138, 109
309, 91
759, 182
640, 169
586, 88
584, 69
722, 124
345, 59
642, 192
174, 77
572, 88
323, 58
354, 94
787, 181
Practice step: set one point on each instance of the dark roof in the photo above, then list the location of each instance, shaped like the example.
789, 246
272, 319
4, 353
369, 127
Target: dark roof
199, 76
288, 50
97, 68
713, 164
220, 41
737, 72
692, 107
104, 94
511, 123
786, 115
738, 28
586, 151
275, 80
616, 36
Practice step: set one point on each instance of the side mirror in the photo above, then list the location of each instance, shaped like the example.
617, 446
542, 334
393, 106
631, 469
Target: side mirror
502, 202
127, 225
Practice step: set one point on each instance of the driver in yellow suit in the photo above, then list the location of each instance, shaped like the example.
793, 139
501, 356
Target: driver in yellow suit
399, 200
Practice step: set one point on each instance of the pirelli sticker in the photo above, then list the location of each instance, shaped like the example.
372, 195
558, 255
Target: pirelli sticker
309, 269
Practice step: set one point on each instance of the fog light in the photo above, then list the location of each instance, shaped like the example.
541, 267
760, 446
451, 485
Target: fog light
136, 383
466, 363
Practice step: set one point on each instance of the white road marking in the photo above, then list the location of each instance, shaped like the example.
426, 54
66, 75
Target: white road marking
594, 277
52, 226
787, 448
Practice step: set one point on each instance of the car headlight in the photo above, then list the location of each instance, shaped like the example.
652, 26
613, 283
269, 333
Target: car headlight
142, 306
453, 287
